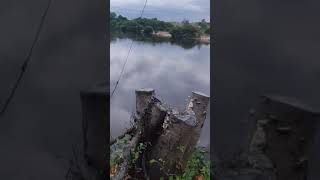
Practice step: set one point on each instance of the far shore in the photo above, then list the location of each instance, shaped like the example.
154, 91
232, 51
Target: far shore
164, 34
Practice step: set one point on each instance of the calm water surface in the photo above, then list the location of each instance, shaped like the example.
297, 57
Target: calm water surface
174, 71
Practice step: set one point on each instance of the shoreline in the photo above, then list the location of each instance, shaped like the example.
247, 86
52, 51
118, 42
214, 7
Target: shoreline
164, 34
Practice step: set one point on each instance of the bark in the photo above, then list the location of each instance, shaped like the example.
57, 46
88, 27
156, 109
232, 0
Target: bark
148, 118
164, 130
181, 132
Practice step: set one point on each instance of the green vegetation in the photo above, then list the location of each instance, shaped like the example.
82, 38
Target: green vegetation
185, 32
197, 166
118, 152
181, 148
204, 27
146, 27
139, 25
139, 150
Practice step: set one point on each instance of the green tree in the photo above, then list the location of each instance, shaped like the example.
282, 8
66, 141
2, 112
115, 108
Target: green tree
185, 32
148, 30
113, 15
185, 22
207, 31
130, 27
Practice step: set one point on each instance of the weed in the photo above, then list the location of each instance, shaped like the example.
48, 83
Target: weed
197, 166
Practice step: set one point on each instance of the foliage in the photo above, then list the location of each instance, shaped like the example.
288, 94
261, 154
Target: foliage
136, 153
207, 31
124, 141
131, 27
117, 153
197, 166
118, 149
148, 30
181, 148
122, 24
185, 32
146, 26
204, 27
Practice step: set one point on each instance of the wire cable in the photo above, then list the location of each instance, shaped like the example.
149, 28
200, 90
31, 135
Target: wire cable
127, 57
26, 61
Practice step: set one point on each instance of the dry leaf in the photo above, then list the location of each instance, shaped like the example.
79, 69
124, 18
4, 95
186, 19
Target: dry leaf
113, 170
199, 177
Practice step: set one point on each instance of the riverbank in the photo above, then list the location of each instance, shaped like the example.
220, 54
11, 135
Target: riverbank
164, 34
179, 31
203, 39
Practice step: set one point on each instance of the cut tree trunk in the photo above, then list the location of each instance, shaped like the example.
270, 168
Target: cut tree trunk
165, 130
179, 137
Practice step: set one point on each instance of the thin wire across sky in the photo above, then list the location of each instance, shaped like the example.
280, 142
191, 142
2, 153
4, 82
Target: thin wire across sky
128, 54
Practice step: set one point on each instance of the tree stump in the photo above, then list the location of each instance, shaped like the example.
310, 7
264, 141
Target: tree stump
165, 130
181, 132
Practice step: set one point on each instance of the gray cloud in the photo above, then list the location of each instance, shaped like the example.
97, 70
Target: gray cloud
193, 10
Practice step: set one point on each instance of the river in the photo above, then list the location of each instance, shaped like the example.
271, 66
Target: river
173, 70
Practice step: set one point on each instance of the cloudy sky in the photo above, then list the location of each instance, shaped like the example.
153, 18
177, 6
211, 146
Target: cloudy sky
169, 10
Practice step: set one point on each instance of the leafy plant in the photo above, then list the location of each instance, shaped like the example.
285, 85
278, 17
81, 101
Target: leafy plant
197, 166
139, 149
117, 152
124, 141
181, 148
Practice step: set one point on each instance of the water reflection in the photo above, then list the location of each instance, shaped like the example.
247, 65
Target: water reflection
172, 70
154, 40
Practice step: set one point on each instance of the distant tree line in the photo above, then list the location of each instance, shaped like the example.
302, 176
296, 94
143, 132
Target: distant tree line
144, 26
186, 30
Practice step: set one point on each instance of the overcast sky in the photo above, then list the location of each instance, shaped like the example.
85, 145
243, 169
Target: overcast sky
168, 10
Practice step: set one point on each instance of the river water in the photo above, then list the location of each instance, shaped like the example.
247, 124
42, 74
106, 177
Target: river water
173, 70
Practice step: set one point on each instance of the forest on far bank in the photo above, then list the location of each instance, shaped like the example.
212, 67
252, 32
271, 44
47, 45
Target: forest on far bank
184, 30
